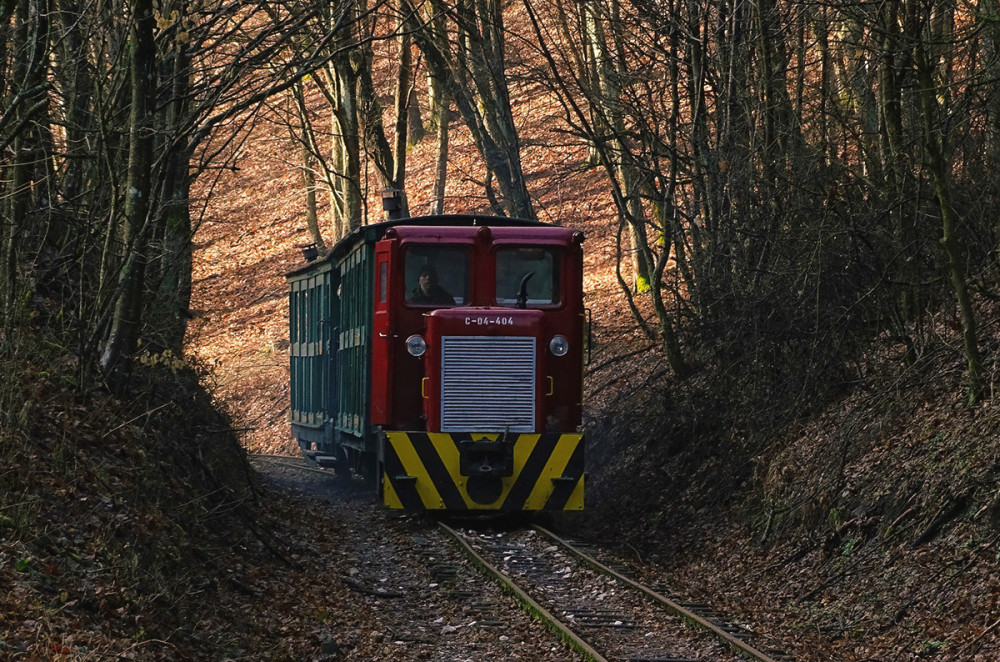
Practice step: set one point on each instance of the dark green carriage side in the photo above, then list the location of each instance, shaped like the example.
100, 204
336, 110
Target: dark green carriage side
312, 314
329, 310
353, 355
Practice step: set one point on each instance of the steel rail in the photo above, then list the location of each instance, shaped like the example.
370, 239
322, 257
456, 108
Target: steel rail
739, 647
529, 604
280, 459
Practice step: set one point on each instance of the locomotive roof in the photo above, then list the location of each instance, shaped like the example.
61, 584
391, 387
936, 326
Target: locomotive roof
375, 231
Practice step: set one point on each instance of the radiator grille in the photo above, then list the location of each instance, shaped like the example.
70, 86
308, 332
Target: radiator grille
487, 383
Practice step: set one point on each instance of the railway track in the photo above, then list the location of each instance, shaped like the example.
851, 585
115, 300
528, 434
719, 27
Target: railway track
598, 610
290, 461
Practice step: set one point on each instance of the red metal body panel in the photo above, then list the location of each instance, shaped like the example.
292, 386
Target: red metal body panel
383, 346
405, 388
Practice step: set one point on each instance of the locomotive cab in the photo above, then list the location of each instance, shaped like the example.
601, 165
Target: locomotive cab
476, 354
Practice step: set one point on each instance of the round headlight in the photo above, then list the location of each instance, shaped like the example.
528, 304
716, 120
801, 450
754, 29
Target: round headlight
416, 346
559, 345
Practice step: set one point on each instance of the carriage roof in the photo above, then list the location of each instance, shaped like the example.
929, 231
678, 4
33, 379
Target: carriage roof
374, 232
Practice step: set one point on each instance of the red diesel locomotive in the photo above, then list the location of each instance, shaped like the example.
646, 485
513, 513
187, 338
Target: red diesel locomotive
442, 358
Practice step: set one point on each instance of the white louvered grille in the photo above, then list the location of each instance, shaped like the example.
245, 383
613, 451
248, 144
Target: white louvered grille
487, 383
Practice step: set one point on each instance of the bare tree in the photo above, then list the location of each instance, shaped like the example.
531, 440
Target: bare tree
123, 337
109, 125
467, 57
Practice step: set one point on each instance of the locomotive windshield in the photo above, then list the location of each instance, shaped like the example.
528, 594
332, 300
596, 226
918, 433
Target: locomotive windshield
437, 275
537, 268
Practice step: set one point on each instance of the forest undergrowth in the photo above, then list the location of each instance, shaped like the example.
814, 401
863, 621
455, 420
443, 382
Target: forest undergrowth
870, 514
131, 525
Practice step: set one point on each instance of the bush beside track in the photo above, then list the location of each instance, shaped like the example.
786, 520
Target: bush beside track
131, 527
868, 512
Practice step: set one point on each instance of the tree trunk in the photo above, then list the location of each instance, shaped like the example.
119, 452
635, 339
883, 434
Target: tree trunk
441, 158
609, 116
77, 83
347, 147
30, 120
310, 155
122, 338
309, 183
938, 168
168, 312
890, 108
404, 87
415, 131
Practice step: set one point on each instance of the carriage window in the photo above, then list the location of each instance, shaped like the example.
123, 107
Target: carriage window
383, 281
437, 275
538, 270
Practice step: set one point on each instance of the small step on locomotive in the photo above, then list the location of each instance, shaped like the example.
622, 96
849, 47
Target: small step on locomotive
441, 358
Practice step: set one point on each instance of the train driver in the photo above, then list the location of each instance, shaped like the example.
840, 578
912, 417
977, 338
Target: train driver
428, 291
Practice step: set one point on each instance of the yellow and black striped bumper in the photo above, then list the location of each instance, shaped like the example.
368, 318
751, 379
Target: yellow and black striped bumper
441, 471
